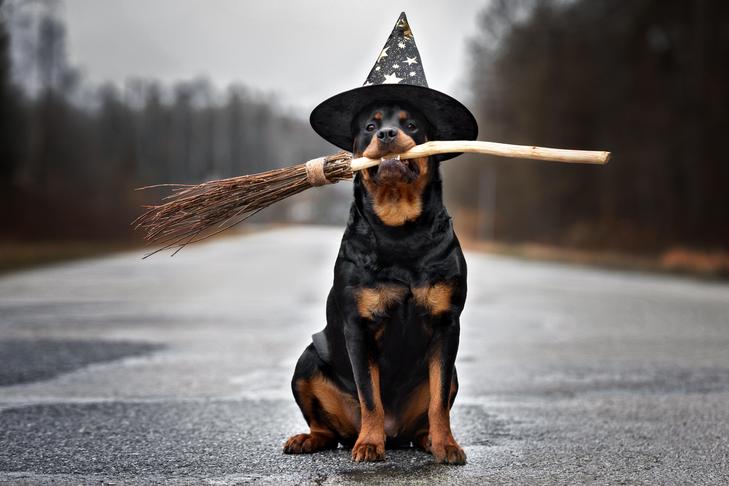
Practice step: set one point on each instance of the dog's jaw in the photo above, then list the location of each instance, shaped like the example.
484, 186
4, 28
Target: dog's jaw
393, 170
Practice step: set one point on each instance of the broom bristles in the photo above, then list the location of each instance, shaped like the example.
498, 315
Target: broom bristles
193, 213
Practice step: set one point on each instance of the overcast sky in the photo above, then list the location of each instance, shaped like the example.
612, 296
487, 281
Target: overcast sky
305, 51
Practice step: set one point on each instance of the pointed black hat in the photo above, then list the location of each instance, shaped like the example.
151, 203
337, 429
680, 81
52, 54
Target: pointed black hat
397, 75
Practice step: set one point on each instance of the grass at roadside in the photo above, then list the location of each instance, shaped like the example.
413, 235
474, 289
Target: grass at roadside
706, 264
18, 255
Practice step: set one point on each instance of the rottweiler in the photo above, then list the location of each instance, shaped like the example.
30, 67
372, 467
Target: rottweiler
382, 373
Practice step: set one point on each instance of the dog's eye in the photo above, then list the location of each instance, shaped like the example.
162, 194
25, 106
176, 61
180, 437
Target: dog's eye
412, 126
370, 127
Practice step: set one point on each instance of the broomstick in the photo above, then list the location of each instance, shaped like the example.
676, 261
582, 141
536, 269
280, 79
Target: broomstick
196, 212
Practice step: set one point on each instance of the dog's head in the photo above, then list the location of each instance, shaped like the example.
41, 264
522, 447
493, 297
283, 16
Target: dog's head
384, 130
381, 131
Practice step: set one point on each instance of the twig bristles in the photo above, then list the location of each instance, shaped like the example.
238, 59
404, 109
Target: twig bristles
195, 212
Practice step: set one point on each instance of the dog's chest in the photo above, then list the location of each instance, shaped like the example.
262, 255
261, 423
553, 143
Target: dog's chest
400, 318
402, 303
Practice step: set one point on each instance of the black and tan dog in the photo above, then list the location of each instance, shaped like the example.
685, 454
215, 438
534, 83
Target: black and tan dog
382, 371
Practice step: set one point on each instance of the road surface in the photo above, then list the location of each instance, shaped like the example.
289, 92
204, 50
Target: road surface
118, 370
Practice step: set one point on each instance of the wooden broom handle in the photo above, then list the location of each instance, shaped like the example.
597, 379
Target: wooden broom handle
493, 148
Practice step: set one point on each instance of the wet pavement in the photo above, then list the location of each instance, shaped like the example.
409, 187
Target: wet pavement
177, 370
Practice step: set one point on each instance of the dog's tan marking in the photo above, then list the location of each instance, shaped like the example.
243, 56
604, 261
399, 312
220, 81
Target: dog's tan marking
377, 116
436, 298
442, 444
311, 442
374, 301
370, 445
400, 202
403, 115
379, 332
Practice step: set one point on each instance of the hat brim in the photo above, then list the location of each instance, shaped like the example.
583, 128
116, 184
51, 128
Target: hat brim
450, 119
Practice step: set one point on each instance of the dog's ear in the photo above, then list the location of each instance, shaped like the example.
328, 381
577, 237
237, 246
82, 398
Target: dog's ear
357, 146
354, 126
360, 137
429, 128
356, 131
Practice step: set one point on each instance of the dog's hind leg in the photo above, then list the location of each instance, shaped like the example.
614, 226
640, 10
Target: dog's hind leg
331, 413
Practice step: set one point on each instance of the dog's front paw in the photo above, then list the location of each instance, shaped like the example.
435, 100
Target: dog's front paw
368, 451
447, 452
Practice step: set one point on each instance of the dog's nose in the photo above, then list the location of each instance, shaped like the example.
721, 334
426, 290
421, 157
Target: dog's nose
387, 134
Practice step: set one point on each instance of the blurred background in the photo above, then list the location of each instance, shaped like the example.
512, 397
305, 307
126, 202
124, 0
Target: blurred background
99, 98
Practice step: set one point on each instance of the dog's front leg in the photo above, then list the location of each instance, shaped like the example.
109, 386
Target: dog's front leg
370, 444
441, 367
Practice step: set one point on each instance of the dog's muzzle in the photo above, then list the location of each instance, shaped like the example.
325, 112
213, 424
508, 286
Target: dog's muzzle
395, 170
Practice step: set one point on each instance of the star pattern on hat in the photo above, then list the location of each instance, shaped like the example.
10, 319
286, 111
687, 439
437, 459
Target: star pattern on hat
391, 79
383, 53
399, 60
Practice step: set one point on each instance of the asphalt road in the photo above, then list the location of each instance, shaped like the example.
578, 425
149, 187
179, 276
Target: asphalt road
177, 370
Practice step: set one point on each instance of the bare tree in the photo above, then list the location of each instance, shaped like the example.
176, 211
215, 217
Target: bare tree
645, 79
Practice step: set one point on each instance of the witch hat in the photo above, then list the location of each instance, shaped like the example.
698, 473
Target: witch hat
397, 76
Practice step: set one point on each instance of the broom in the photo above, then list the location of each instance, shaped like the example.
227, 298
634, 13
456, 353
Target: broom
195, 212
